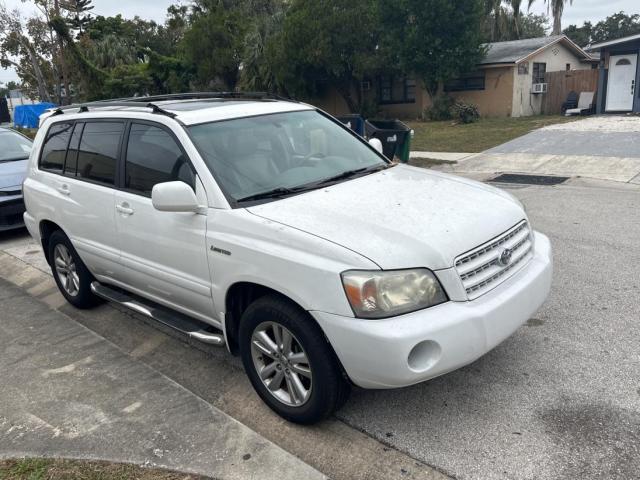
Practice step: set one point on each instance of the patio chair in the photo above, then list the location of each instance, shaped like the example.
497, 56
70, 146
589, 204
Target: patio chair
571, 102
585, 105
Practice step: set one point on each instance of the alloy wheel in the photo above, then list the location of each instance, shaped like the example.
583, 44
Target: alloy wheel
281, 363
65, 267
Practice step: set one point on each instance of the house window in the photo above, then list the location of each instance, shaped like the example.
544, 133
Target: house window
523, 68
471, 81
539, 70
568, 67
396, 91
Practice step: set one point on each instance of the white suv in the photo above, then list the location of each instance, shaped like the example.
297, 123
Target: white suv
268, 226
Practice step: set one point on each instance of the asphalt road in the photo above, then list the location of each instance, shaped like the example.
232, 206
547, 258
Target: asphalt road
559, 399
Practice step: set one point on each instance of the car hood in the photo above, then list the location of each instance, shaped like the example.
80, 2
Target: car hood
402, 217
12, 173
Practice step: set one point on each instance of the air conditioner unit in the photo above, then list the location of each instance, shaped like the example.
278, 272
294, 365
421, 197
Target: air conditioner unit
539, 88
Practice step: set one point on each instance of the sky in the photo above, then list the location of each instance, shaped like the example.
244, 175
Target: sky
575, 13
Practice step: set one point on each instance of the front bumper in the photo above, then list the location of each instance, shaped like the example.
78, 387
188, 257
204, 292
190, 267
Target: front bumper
11, 212
415, 347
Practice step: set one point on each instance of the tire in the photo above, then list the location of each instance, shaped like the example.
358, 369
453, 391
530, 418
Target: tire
77, 289
326, 386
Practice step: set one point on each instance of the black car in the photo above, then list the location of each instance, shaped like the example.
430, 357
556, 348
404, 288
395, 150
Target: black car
14, 157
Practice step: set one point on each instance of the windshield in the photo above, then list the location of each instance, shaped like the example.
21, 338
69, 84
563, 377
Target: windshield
13, 146
281, 153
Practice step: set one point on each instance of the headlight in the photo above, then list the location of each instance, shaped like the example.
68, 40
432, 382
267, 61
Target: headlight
381, 294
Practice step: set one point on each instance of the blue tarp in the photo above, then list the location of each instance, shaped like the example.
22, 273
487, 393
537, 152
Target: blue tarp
27, 116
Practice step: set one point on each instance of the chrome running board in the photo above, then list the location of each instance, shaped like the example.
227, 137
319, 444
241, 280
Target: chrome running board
187, 325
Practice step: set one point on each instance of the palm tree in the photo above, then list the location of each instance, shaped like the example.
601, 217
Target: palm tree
515, 6
557, 8
497, 15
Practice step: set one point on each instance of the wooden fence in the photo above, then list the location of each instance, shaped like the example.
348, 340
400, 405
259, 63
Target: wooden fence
561, 83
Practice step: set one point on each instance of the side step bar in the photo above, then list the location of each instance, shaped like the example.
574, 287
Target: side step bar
175, 320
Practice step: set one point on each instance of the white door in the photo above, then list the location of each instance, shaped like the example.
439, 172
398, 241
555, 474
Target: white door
84, 189
163, 254
622, 82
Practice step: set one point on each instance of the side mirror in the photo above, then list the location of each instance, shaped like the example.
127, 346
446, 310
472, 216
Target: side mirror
174, 197
376, 143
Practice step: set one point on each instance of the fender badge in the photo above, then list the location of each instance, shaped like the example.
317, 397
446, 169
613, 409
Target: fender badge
220, 250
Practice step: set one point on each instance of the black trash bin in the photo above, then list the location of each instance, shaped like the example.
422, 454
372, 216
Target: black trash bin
394, 135
4, 111
353, 121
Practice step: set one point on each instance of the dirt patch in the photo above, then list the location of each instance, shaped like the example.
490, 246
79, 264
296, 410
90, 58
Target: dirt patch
50, 469
429, 162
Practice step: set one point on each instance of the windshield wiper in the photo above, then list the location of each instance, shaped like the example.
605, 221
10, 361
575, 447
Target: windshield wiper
353, 173
276, 192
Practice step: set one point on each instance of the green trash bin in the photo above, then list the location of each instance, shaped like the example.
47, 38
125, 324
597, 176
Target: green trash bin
394, 135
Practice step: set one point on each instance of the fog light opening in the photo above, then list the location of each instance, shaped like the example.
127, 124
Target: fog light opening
424, 356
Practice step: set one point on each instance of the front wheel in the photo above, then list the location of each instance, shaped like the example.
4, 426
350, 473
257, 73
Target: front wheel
289, 362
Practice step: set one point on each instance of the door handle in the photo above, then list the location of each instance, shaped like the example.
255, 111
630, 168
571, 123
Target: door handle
124, 208
64, 189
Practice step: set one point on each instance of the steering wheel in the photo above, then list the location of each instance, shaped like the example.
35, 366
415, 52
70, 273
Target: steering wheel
307, 158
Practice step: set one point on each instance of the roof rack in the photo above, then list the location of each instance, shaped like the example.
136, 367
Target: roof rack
136, 101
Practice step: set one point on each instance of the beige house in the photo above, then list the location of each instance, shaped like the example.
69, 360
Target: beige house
510, 81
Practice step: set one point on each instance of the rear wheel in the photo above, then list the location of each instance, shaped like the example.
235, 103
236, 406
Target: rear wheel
289, 362
70, 273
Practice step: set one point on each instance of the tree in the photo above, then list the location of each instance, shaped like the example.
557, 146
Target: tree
78, 16
214, 44
529, 25
557, 9
18, 51
613, 27
257, 66
580, 35
517, 17
436, 40
7, 87
495, 22
327, 43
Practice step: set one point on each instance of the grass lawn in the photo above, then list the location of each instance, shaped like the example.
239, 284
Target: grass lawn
49, 469
486, 133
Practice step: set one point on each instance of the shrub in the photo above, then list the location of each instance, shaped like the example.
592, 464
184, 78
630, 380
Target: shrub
465, 112
441, 108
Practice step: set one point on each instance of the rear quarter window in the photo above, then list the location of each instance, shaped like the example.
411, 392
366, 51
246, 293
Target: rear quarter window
55, 147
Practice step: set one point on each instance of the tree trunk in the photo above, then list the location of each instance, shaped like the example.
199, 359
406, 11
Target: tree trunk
63, 62
42, 85
346, 92
557, 24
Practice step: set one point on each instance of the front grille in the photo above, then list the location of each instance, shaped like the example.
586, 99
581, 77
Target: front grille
481, 269
10, 193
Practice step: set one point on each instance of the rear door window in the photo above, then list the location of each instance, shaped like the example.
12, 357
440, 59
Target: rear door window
153, 156
98, 152
55, 147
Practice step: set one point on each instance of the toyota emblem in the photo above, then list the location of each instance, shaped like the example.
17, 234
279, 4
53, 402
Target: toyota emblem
505, 257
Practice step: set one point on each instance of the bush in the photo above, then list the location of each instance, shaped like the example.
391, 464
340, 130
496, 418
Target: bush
441, 108
465, 112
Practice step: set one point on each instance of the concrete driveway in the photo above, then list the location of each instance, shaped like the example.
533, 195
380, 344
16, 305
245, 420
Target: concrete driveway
604, 147
559, 399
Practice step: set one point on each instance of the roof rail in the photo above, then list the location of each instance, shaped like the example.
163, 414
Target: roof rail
148, 100
84, 107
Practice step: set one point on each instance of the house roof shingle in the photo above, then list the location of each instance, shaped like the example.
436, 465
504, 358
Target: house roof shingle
512, 51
